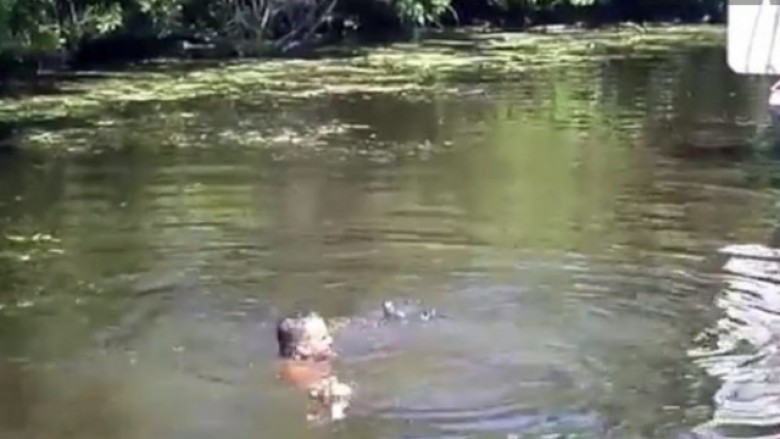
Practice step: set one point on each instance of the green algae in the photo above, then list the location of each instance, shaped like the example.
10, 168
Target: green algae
437, 65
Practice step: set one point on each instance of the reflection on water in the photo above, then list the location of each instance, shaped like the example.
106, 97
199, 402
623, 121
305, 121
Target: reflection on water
563, 221
742, 348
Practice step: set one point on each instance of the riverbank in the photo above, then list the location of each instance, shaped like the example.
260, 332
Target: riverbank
435, 55
29, 54
58, 35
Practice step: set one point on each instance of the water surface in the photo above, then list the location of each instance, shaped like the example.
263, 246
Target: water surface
567, 221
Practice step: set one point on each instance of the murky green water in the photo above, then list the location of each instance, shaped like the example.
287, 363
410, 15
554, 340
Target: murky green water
556, 216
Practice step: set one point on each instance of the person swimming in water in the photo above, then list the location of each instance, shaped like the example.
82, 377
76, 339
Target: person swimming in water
306, 354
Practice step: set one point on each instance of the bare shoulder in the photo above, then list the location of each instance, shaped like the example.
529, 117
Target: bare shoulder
303, 374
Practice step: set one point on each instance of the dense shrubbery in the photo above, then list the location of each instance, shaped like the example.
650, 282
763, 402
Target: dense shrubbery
53, 31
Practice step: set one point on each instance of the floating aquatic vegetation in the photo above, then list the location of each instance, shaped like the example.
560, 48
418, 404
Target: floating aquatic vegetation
394, 69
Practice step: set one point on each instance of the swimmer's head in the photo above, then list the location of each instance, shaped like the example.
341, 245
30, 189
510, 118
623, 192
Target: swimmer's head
304, 337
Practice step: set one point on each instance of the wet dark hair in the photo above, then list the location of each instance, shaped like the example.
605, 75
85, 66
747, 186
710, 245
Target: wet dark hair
289, 331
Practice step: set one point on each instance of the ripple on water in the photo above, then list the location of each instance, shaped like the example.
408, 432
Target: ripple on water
509, 419
560, 344
743, 349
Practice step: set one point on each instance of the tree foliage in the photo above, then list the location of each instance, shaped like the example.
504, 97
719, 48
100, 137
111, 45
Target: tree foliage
65, 26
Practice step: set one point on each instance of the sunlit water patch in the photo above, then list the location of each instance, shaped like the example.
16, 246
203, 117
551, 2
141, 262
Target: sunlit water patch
741, 350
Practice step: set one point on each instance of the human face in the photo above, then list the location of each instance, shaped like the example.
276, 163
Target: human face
317, 342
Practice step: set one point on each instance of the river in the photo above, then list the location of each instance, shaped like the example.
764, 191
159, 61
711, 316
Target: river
567, 220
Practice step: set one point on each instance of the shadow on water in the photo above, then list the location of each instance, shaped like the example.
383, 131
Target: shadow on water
47, 84
557, 219
61, 82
